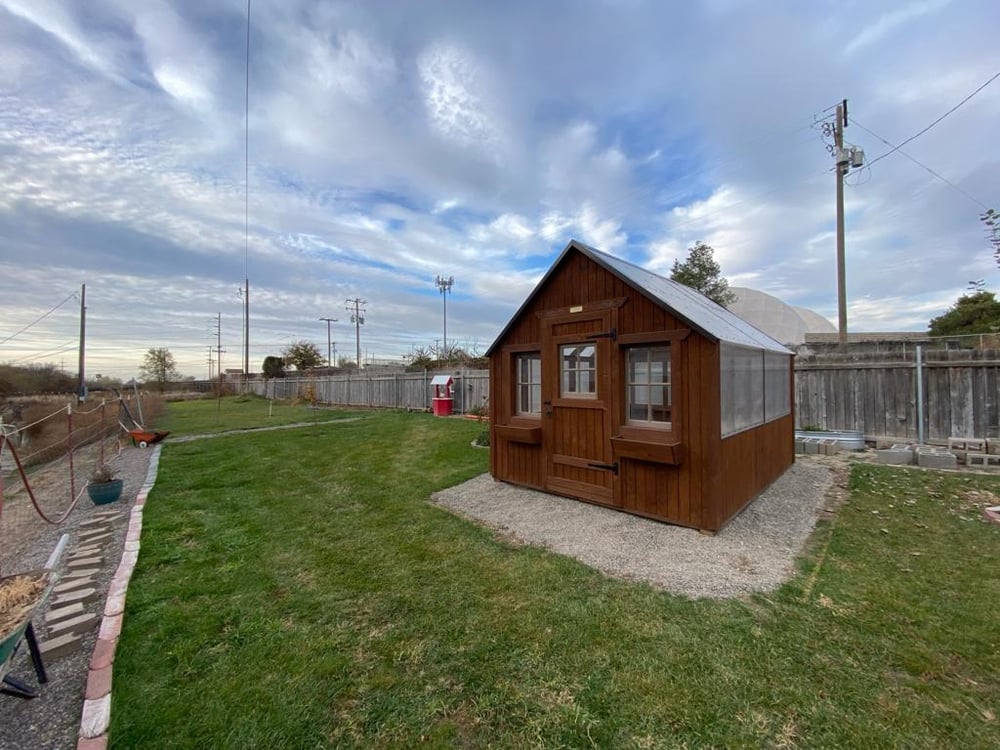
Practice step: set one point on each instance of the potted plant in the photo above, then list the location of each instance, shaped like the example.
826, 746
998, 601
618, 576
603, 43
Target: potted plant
104, 486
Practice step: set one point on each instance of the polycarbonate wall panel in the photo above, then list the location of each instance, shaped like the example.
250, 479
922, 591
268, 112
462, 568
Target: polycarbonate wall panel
777, 391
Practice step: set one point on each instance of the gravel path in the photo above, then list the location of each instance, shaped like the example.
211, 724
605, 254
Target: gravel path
754, 552
52, 720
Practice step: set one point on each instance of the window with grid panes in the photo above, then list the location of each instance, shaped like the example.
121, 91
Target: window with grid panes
529, 384
578, 370
647, 385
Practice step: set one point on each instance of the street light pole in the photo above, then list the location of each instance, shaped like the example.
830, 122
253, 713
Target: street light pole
329, 357
444, 286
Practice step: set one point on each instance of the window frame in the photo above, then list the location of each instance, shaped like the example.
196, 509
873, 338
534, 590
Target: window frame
649, 424
517, 358
578, 395
648, 433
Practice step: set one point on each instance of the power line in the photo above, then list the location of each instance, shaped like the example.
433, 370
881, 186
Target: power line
917, 135
39, 320
920, 164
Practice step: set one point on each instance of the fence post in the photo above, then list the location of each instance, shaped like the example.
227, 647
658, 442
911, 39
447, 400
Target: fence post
920, 395
69, 444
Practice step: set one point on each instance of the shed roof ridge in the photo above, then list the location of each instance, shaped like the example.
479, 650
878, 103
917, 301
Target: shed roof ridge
705, 306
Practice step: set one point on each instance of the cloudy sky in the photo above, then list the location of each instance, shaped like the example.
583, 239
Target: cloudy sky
390, 142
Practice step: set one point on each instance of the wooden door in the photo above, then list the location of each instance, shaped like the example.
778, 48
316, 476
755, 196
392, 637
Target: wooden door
577, 380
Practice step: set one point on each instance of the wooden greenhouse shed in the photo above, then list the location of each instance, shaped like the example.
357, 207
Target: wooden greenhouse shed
620, 387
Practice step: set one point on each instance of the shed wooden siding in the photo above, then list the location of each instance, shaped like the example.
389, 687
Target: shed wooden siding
751, 460
696, 489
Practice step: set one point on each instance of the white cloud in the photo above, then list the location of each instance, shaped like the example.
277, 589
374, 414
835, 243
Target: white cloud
54, 18
888, 22
456, 99
393, 143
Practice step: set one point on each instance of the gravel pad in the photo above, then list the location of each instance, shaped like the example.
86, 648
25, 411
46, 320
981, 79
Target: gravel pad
754, 552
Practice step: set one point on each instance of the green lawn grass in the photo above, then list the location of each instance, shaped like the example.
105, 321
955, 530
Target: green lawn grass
208, 416
295, 590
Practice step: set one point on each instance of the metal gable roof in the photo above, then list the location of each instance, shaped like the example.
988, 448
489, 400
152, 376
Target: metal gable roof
708, 317
702, 314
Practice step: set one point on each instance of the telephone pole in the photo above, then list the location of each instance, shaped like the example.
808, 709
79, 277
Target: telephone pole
444, 286
329, 343
81, 388
218, 348
354, 306
844, 159
841, 168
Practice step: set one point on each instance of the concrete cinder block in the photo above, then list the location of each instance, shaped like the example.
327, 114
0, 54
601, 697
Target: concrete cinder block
829, 447
800, 446
983, 461
895, 456
931, 458
976, 445
993, 446
811, 445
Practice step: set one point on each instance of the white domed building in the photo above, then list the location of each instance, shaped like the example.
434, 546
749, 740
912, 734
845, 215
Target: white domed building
782, 322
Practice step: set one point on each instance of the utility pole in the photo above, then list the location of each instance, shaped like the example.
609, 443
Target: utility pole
329, 343
845, 158
841, 168
218, 348
81, 388
246, 327
354, 306
444, 286
211, 361
246, 208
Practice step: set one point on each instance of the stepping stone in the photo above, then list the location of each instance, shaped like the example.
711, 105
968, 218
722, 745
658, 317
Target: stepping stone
88, 551
84, 562
85, 552
95, 521
68, 610
53, 648
80, 573
94, 538
79, 624
81, 595
72, 585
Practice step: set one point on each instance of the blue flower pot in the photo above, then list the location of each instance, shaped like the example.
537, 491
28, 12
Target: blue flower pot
105, 492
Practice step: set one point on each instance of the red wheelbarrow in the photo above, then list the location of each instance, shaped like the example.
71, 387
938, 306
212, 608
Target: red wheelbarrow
142, 438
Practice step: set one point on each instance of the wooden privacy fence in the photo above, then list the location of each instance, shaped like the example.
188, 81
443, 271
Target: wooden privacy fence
877, 394
411, 390
874, 392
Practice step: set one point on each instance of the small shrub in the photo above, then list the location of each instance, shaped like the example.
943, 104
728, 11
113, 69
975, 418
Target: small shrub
103, 473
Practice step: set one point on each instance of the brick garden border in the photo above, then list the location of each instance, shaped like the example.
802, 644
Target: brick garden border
96, 717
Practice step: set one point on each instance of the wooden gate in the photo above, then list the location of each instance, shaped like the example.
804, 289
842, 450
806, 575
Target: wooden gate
576, 405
